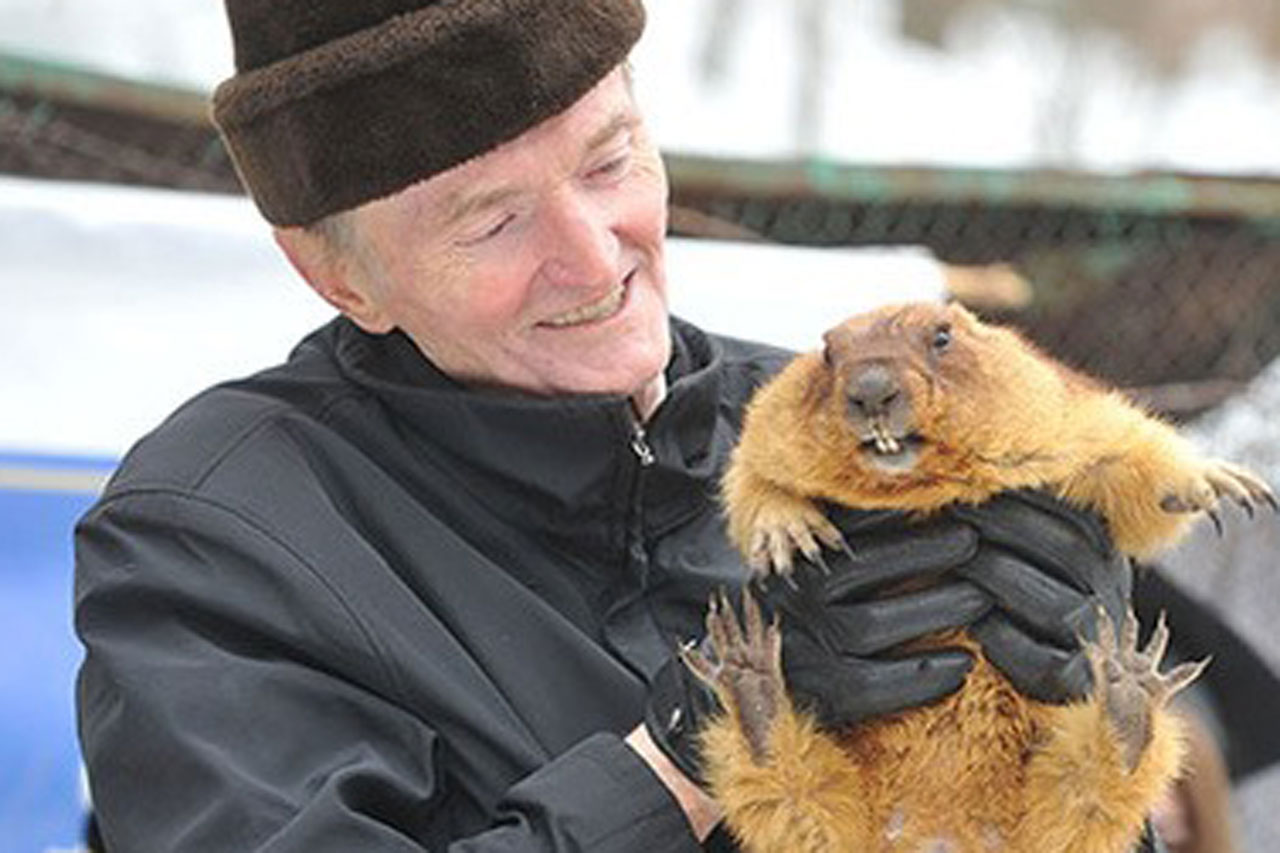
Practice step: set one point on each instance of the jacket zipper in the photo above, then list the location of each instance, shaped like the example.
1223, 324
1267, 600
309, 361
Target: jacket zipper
633, 638
640, 443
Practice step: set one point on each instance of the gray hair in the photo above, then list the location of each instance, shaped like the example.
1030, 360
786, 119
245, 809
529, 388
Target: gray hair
337, 230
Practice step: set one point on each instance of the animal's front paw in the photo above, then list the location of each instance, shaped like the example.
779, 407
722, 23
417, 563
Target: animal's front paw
744, 668
1128, 682
1213, 482
780, 528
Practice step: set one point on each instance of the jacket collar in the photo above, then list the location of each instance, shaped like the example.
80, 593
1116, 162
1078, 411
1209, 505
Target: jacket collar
555, 463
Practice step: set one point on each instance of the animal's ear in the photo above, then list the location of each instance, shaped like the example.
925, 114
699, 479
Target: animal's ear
960, 312
836, 342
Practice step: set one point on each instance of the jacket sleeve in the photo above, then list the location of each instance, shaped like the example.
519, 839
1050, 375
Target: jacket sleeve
229, 701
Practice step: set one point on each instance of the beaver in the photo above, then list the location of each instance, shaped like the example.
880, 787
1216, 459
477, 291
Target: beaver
916, 407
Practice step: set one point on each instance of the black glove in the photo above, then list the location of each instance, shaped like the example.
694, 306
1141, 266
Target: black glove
1048, 567
841, 622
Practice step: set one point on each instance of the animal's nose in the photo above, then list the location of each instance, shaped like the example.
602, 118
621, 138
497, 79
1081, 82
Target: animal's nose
872, 390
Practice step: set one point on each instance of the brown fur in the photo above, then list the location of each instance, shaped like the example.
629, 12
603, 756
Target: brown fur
1202, 795
985, 769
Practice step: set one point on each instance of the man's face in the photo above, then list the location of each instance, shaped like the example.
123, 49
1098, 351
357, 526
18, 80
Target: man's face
536, 266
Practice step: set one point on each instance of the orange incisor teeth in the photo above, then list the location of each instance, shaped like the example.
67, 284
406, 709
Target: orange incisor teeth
885, 443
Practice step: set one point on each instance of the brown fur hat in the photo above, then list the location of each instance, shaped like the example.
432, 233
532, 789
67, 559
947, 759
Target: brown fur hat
339, 102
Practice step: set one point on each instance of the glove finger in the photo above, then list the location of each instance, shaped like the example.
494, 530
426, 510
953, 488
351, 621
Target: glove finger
1042, 604
873, 626
1042, 671
907, 553
857, 523
854, 689
1048, 533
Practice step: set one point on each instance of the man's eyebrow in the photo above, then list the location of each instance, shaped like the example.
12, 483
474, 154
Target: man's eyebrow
625, 119
462, 205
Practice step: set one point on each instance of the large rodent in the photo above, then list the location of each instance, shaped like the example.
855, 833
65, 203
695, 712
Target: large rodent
916, 407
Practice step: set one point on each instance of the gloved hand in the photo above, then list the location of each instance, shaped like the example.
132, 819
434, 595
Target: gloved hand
1048, 567
840, 623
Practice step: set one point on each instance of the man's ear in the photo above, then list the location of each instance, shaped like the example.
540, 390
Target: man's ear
336, 275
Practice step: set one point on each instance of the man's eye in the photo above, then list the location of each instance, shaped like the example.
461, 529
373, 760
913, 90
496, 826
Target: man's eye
492, 231
612, 168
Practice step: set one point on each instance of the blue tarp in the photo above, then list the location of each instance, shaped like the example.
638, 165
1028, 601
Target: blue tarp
41, 807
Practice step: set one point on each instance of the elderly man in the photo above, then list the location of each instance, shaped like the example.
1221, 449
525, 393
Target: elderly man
419, 587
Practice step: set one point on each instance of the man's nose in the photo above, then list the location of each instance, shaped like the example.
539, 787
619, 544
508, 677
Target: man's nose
581, 246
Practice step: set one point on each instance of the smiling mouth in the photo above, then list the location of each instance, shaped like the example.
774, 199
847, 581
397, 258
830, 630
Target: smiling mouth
601, 309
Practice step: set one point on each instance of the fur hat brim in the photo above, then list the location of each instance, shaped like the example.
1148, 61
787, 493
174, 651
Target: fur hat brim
368, 114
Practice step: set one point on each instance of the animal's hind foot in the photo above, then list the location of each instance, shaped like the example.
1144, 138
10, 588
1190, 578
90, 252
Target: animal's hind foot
1129, 683
744, 668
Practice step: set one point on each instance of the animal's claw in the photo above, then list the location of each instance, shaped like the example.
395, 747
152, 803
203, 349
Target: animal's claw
1128, 680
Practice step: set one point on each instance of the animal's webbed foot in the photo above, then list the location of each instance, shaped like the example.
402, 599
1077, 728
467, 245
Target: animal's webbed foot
1128, 681
744, 668
1215, 481
780, 528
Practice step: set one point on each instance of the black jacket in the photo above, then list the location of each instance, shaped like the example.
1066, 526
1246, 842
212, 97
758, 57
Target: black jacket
346, 605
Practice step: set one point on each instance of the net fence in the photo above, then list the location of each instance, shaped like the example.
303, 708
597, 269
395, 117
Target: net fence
1166, 285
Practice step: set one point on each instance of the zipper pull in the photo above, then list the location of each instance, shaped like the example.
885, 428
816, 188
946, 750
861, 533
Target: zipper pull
640, 445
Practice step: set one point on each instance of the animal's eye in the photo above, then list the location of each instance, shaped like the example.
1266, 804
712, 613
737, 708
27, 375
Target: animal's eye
941, 337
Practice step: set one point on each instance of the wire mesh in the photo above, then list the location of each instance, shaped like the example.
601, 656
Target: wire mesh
1179, 302
1185, 307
